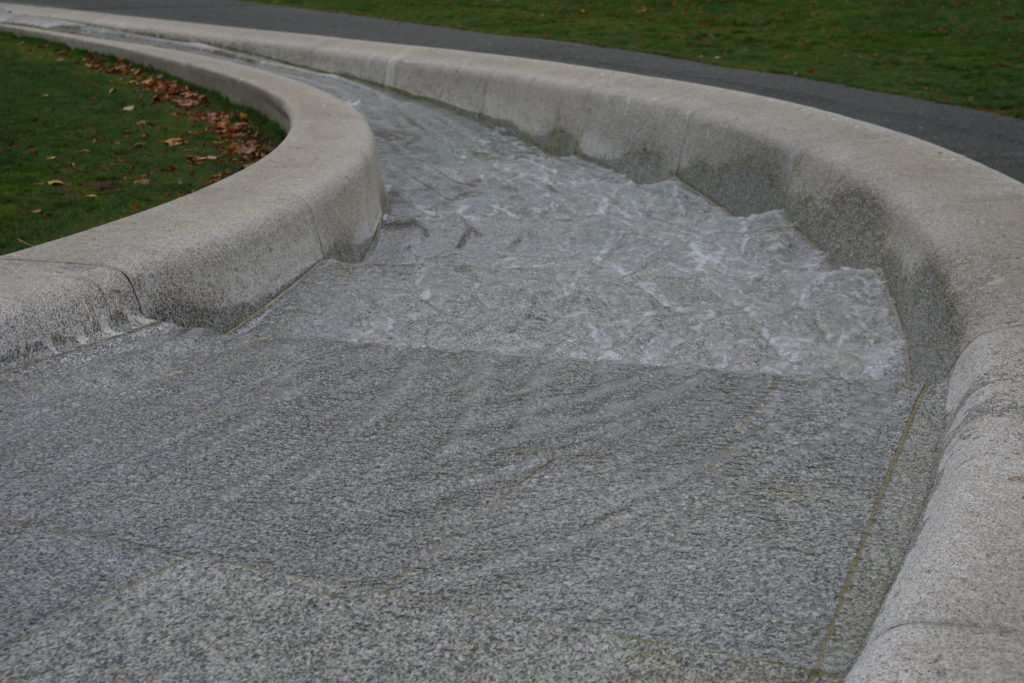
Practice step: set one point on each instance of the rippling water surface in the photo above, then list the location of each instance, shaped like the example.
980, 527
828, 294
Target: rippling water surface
490, 241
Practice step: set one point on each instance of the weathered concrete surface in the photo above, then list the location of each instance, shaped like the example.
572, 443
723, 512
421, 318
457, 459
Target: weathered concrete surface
947, 231
215, 256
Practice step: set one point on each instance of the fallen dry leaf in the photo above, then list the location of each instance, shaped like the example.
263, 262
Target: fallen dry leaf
55, 181
36, 211
173, 142
141, 181
128, 107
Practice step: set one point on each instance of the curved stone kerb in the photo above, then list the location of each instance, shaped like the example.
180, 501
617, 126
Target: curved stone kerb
214, 256
948, 232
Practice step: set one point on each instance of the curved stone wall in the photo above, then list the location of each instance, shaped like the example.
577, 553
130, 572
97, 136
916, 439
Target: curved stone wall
217, 255
948, 233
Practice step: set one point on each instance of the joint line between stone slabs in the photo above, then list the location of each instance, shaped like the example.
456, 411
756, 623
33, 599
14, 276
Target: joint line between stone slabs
716, 461
104, 598
866, 533
15, 368
263, 309
583, 629
181, 371
387, 590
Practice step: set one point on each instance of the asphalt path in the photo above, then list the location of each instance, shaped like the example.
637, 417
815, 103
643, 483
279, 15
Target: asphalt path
996, 141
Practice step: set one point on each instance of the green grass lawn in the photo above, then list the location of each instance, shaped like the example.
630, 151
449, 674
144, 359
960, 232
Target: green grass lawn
964, 52
80, 147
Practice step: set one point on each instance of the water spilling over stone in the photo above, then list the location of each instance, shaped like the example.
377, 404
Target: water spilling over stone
491, 243
551, 423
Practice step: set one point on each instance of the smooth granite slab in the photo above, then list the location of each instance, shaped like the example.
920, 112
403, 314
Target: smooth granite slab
203, 621
51, 390
48, 575
740, 546
710, 510
507, 401
324, 502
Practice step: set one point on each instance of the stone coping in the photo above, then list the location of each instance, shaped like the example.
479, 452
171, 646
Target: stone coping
217, 255
947, 232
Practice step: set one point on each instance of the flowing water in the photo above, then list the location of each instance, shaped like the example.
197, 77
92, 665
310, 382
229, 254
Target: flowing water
489, 242
556, 424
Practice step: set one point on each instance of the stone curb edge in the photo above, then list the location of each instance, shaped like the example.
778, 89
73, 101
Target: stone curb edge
215, 256
947, 232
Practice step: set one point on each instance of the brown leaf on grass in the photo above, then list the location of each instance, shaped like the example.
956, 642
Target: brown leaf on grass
243, 148
55, 181
141, 181
173, 142
36, 211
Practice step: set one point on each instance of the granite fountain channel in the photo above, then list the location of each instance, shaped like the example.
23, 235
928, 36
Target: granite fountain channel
549, 401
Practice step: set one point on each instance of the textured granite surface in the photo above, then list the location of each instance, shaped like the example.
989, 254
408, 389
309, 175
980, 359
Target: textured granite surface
224, 622
466, 466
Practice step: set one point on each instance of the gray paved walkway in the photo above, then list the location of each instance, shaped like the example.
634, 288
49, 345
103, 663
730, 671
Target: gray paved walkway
453, 480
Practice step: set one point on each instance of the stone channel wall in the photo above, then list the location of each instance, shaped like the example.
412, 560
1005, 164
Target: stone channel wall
947, 232
215, 256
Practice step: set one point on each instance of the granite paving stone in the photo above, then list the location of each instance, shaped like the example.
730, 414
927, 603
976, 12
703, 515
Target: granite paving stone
894, 527
326, 502
49, 575
502, 400
743, 550
199, 620
557, 425
54, 390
